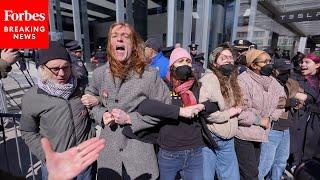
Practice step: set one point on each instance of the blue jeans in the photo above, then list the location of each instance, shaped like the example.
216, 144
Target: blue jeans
187, 162
84, 175
221, 161
274, 155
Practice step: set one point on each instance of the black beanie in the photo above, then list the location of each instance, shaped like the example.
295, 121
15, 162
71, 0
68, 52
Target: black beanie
55, 51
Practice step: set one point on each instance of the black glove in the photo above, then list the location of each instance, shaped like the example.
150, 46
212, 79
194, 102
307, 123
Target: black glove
293, 102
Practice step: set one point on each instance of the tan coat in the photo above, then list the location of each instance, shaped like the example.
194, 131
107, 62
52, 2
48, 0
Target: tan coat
220, 122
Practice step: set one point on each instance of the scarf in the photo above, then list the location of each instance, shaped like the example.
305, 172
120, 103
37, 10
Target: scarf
186, 95
264, 81
59, 90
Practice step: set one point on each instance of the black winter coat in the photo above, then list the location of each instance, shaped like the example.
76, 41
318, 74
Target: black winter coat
305, 133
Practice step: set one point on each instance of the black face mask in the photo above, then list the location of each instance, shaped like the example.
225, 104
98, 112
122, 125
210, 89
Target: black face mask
283, 78
266, 70
183, 73
226, 69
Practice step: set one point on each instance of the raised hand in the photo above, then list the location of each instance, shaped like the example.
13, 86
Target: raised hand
68, 164
10, 55
89, 100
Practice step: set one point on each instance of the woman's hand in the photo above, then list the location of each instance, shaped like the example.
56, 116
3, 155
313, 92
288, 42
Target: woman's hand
89, 100
191, 111
265, 122
120, 117
107, 118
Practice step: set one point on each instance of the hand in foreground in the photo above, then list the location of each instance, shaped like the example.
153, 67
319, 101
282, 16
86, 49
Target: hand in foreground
10, 55
89, 100
120, 117
191, 111
68, 164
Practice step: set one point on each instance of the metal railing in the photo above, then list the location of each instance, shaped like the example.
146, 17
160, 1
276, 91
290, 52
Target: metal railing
13, 119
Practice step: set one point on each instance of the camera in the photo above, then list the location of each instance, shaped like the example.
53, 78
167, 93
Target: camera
28, 53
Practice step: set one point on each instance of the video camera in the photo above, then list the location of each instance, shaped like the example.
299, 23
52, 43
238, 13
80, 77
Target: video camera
27, 54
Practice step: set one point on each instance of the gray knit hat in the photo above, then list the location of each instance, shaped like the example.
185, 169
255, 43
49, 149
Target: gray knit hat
214, 53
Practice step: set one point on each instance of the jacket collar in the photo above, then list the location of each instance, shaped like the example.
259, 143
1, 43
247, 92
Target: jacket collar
308, 89
156, 58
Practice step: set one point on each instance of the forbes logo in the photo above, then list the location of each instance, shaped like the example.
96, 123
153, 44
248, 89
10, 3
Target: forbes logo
10, 15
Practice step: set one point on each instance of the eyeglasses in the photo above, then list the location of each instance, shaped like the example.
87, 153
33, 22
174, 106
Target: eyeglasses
224, 57
266, 61
56, 70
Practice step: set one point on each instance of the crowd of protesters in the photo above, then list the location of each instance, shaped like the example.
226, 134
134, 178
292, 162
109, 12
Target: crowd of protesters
249, 115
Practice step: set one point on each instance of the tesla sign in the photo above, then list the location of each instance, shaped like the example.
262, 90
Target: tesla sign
298, 16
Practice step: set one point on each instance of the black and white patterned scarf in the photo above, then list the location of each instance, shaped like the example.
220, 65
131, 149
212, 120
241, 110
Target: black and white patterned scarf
58, 90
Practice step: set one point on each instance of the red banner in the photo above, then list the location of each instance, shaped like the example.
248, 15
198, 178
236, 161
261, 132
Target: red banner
24, 24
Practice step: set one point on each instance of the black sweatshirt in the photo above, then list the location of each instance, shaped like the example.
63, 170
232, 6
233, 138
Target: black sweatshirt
177, 133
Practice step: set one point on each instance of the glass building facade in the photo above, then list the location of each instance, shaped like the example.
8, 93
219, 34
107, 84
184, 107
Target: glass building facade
267, 23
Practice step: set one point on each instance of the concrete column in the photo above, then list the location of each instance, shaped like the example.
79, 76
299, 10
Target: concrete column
206, 30
187, 23
129, 12
199, 24
302, 44
76, 21
52, 21
252, 17
120, 11
141, 17
217, 24
58, 16
85, 29
171, 12
235, 20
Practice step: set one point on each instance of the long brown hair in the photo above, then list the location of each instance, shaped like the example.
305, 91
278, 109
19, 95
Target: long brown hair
136, 62
236, 90
223, 80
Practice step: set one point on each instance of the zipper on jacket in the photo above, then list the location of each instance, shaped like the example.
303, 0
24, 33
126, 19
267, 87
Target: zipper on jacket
72, 119
70, 110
